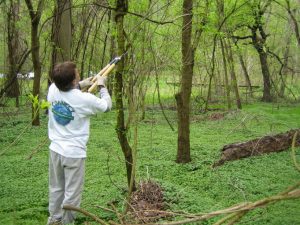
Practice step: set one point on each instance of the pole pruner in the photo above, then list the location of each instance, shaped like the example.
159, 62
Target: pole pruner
105, 71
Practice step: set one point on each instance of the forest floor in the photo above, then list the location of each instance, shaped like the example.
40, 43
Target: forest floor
192, 188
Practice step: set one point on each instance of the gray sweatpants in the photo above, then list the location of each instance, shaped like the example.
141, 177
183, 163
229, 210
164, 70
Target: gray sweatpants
66, 177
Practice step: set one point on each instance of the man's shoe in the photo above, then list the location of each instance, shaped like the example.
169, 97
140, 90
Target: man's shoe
52, 221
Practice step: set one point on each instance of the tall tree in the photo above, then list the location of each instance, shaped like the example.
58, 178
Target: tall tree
188, 48
183, 97
259, 38
220, 7
234, 83
121, 10
61, 35
286, 55
226, 83
35, 53
11, 83
244, 68
292, 13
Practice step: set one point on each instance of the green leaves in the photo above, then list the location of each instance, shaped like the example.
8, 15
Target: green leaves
44, 104
36, 104
34, 100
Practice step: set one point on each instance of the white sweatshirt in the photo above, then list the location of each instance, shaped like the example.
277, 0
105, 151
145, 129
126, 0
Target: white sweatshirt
69, 119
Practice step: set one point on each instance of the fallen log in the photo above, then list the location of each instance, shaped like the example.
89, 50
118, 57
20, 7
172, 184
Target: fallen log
259, 146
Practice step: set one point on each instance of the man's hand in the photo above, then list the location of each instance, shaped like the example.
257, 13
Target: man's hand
85, 83
101, 80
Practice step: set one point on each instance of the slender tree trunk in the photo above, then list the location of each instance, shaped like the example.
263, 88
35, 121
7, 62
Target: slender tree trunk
244, 68
245, 72
294, 21
228, 50
112, 50
11, 82
208, 97
122, 6
220, 5
86, 41
227, 87
284, 72
183, 97
234, 82
94, 46
84, 26
35, 53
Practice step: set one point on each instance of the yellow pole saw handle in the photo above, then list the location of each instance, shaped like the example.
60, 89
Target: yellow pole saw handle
104, 72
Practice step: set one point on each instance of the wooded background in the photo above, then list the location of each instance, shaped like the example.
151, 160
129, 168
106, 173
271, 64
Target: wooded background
208, 50
195, 56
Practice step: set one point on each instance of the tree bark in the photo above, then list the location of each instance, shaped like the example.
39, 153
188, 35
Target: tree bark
11, 82
294, 21
121, 9
226, 84
183, 97
259, 39
61, 35
245, 71
64, 30
267, 96
35, 53
284, 72
259, 146
234, 83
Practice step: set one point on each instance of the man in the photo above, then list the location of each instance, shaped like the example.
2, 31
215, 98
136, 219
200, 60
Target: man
68, 130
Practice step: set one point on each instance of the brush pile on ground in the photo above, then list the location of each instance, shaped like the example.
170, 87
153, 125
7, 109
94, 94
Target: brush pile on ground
147, 203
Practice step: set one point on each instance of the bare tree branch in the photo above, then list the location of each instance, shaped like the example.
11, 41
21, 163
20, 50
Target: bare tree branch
135, 14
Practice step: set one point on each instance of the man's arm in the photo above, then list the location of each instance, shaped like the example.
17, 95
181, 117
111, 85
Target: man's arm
101, 80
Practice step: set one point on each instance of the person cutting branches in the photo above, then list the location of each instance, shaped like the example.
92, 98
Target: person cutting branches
68, 131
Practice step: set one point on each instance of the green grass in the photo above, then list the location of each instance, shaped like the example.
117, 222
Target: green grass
194, 187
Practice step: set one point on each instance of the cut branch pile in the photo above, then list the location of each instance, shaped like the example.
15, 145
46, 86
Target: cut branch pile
231, 215
147, 202
259, 146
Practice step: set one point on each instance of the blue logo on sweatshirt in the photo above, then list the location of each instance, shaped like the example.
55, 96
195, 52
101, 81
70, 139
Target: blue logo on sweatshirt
63, 112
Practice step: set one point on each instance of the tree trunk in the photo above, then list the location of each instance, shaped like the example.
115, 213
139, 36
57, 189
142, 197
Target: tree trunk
122, 6
234, 82
220, 7
259, 146
61, 35
245, 72
259, 39
267, 97
258, 43
112, 51
35, 53
226, 84
11, 83
228, 50
183, 97
294, 21
63, 28
284, 72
